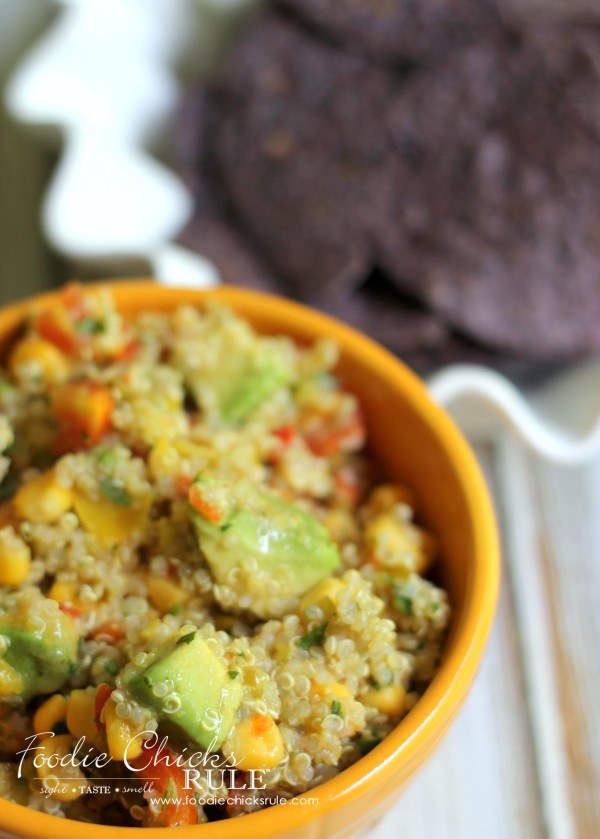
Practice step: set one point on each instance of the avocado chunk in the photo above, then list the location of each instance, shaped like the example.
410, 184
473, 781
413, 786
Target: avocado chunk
203, 698
39, 645
236, 372
264, 551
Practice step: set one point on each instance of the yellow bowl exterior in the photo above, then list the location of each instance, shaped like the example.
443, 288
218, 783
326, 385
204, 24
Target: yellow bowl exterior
421, 447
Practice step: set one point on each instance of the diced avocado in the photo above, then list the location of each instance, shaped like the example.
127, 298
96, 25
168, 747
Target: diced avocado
276, 550
40, 645
203, 698
236, 372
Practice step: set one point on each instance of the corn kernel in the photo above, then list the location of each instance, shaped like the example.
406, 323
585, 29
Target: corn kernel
110, 523
389, 700
163, 460
81, 715
400, 544
385, 497
65, 783
335, 690
120, 735
51, 712
15, 558
151, 629
42, 499
36, 357
11, 682
165, 594
66, 593
324, 595
255, 744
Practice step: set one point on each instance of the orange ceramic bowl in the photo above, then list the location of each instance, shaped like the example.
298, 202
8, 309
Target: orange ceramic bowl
421, 447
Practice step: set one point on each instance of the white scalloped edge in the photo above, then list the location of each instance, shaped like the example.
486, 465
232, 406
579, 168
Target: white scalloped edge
102, 84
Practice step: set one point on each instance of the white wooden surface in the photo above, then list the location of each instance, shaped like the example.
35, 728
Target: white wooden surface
522, 760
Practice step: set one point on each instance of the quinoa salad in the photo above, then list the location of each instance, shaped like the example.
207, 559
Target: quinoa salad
212, 599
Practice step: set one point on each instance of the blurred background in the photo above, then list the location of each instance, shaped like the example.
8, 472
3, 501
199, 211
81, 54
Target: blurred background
428, 172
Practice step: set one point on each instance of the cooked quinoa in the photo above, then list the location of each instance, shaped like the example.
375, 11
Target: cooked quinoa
194, 544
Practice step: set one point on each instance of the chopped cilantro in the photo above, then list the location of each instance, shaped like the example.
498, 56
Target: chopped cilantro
187, 639
233, 674
402, 602
314, 638
176, 609
91, 326
111, 667
374, 683
106, 457
115, 493
336, 708
435, 607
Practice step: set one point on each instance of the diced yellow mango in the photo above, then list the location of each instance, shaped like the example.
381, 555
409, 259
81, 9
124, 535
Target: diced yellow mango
110, 523
120, 735
81, 715
66, 593
51, 712
42, 500
324, 595
394, 543
163, 460
15, 558
385, 497
255, 743
335, 690
389, 700
165, 594
11, 682
36, 357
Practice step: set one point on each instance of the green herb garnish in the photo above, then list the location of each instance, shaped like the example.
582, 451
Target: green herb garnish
402, 602
314, 638
176, 609
90, 326
111, 667
336, 708
435, 607
233, 674
187, 639
115, 493
374, 683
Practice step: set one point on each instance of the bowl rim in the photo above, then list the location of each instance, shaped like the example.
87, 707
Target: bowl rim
422, 728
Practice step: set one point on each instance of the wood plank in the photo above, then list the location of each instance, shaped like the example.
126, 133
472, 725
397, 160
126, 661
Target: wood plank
568, 505
527, 574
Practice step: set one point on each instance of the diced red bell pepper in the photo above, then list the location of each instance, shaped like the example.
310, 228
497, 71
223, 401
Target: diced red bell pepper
110, 631
330, 438
168, 782
103, 692
55, 326
83, 410
202, 505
